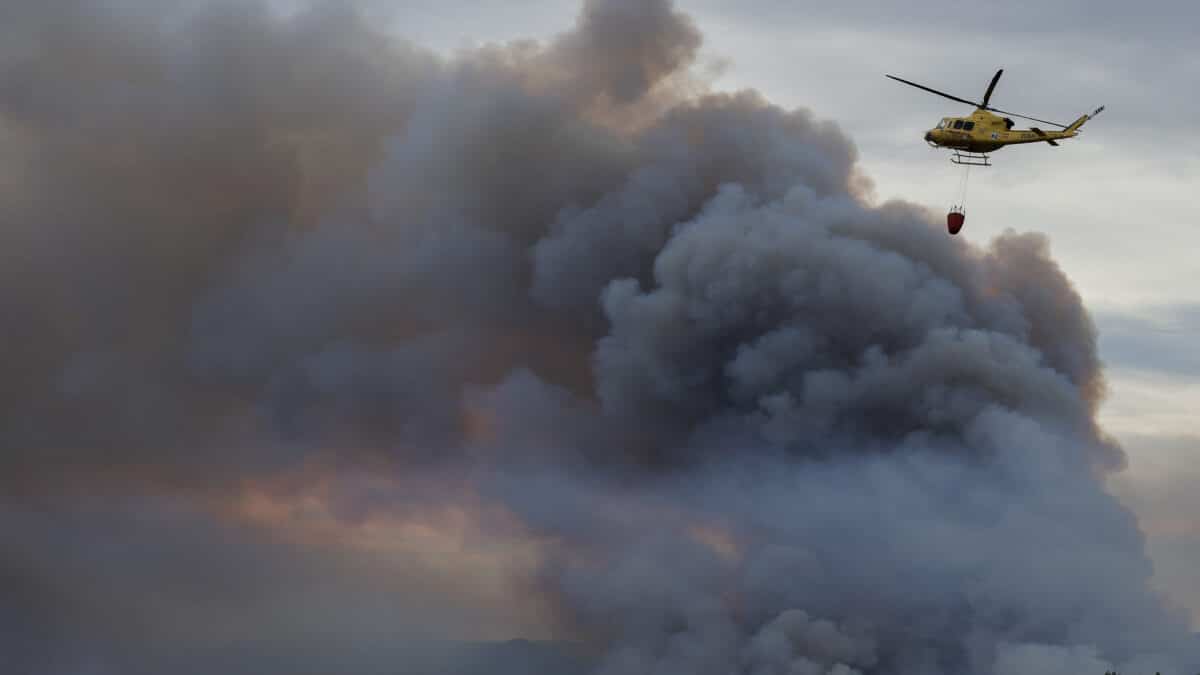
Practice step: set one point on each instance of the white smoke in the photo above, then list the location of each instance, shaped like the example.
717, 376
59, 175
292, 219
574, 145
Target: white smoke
748, 422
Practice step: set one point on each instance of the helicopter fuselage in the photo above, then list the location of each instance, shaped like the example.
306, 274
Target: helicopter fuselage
985, 132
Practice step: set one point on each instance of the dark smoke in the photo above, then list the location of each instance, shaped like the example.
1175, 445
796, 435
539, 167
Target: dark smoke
744, 421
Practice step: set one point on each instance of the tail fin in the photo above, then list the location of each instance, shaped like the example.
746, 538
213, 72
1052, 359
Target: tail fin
1079, 122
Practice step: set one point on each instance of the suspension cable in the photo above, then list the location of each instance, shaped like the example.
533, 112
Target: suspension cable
962, 187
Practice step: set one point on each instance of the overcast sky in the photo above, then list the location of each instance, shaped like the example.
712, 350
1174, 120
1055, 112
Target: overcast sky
217, 430
1117, 202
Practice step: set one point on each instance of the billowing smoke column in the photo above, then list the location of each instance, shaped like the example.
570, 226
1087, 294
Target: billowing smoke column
748, 422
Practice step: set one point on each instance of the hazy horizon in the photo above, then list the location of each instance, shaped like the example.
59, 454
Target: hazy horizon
342, 332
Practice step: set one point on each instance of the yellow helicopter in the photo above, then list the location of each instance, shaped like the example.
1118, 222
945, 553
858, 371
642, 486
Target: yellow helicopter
971, 138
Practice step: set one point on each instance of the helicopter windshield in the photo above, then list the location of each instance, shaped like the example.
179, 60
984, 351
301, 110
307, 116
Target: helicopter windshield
941, 124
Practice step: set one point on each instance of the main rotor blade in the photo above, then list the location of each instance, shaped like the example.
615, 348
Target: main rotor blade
1026, 117
988, 96
935, 91
995, 79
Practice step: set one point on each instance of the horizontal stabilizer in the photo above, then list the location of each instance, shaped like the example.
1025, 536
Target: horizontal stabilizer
1041, 133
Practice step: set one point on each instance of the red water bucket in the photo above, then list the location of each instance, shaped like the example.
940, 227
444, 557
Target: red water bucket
955, 220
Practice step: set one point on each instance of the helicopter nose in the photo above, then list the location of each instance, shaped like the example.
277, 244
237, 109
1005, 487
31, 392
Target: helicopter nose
928, 135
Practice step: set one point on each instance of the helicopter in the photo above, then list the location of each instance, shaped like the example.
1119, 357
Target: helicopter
971, 138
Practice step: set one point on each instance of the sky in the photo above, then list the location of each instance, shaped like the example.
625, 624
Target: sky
1117, 202
338, 336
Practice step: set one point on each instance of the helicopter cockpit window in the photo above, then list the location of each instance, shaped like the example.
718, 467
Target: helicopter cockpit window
941, 124
968, 126
958, 124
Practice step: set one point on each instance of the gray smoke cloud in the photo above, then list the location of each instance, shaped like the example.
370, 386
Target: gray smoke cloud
726, 415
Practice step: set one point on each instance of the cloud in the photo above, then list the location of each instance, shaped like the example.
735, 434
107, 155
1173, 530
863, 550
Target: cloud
301, 308
1095, 17
1158, 341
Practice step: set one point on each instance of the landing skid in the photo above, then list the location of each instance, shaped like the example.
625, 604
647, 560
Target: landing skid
970, 158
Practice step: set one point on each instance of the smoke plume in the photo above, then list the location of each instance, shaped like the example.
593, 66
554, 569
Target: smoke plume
317, 339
